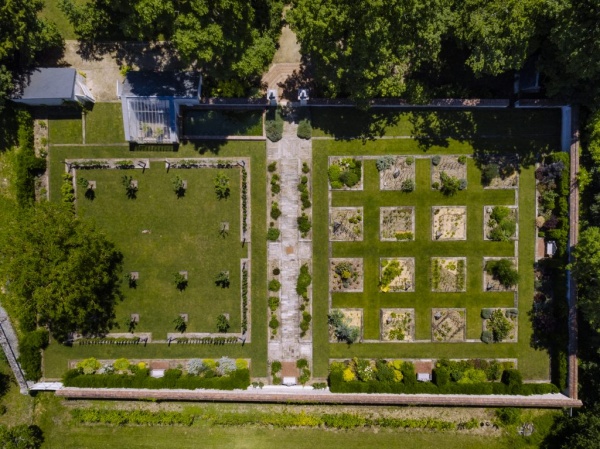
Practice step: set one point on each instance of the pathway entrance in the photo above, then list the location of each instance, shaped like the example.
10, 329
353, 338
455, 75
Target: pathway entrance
291, 252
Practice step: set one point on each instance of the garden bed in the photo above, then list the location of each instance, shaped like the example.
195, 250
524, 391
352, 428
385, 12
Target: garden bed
511, 316
345, 173
397, 325
346, 275
402, 170
346, 224
396, 223
490, 283
449, 223
448, 274
449, 165
499, 223
353, 318
397, 275
448, 325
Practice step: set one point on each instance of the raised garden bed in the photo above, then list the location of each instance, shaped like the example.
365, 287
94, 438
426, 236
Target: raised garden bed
500, 223
346, 275
396, 223
395, 176
397, 325
492, 284
448, 325
345, 173
448, 274
352, 318
509, 320
449, 165
449, 223
346, 224
397, 275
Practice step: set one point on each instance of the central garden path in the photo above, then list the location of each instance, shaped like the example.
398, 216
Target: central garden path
291, 251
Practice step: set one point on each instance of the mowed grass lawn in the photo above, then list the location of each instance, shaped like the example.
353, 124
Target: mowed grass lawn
183, 236
104, 124
534, 364
223, 122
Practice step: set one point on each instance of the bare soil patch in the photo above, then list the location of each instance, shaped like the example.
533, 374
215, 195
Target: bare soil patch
397, 324
448, 325
346, 223
449, 223
346, 275
396, 223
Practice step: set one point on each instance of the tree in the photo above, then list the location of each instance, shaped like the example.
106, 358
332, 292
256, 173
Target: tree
131, 188
60, 271
180, 324
178, 186
586, 269
499, 34
222, 189
180, 281
222, 279
365, 49
503, 271
582, 431
23, 36
222, 323
21, 437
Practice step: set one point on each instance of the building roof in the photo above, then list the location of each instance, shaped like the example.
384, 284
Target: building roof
161, 84
50, 83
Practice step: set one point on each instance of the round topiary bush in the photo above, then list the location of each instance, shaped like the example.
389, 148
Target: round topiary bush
487, 337
304, 129
274, 285
486, 313
435, 160
273, 234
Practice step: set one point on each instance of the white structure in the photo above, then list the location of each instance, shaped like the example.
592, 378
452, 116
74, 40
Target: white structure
272, 97
289, 381
303, 97
54, 87
551, 248
424, 377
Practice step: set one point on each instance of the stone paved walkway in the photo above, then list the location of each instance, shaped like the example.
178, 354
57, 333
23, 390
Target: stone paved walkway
291, 251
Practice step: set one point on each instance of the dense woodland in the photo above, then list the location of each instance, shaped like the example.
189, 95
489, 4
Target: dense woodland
411, 49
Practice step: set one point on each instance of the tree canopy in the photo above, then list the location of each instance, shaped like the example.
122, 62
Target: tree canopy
23, 36
59, 270
365, 49
21, 437
587, 270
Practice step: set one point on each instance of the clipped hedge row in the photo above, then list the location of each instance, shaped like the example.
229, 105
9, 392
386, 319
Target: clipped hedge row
30, 347
109, 341
239, 379
337, 385
207, 340
244, 301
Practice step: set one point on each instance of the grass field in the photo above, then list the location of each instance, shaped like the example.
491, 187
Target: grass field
53, 14
534, 364
104, 124
183, 238
232, 122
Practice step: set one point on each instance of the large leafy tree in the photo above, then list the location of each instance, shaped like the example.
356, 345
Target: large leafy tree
23, 36
59, 271
365, 49
226, 38
499, 34
21, 437
580, 432
587, 272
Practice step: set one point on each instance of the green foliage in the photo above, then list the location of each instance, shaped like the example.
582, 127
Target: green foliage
305, 323
275, 367
304, 129
274, 128
435, 160
346, 172
274, 285
222, 279
180, 281
586, 269
488, 173
274, 323
121, 364
272, 167
513, 379
304, 225
462, 159
504, 271
503, 224
222, 323
275, 211
178, 186
273, 303
341, 327
130, 417
582, 431
26, 166
408, 185
21, 437
305, 168
499, 326
384, 162
389, 272
366, 50
450, 184
89, 366
487, 337
131, 189
67, 192
180, 324
63, 273
508, 416
30, 347
273, 234
222, 189
304, 280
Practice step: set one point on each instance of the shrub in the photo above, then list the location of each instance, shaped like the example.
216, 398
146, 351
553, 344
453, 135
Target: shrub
222, 279
274, 323
384, 162
450, 184
487, 337
435, 185
462, 185
273, 234
410, 160
273, 303
222, 323
349, 178
488, 173
275, 366
272, 167
301, 363
304, 225
499, 213
304, 280
121, 364
226, 366
196, 367
274, 125
30, 358
275, 211
180, 324
499, 326
180, 281
304, 129
435, 160
276, 271
441, 376
513, 379
342, 330
508, 415
221, 183
178, 187
305, 168
274, 285
462, 159
486, 313
89, 366
408, 185
503, 271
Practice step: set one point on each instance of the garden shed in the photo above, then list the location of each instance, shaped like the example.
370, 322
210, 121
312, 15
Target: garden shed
53, 87
151, 101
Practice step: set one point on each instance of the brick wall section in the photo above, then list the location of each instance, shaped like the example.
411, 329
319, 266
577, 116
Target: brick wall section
321, 397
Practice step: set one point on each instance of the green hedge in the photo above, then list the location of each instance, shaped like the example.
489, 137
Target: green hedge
135, 417
337, 385
239, 379
26, 164
30, 346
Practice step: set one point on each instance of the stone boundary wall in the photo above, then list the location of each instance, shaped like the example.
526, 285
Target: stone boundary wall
321, 397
